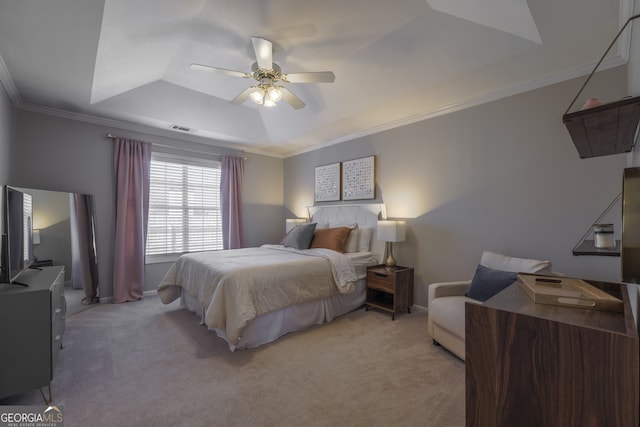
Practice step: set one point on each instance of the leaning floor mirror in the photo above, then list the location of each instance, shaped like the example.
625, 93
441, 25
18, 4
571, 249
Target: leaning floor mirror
64, 234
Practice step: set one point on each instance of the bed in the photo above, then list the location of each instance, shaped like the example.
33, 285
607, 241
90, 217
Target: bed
253, 296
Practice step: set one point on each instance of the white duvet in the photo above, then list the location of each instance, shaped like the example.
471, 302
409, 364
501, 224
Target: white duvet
234, 286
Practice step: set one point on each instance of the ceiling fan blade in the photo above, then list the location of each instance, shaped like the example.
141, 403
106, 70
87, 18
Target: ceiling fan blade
209, 69
312, 77
264, 52
243, 96
291, 99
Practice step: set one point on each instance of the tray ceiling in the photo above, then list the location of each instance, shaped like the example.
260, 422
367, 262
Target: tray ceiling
395, 62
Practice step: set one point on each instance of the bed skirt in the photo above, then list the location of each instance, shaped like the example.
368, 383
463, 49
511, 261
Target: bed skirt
270, 326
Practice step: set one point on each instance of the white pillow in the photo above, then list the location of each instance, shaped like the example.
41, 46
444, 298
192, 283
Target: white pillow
352, 241
342, 224
364, 237
515, 265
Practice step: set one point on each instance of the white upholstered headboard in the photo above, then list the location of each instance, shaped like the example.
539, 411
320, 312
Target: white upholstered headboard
365, 215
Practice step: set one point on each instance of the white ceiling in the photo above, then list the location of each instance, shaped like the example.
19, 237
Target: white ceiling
127, 61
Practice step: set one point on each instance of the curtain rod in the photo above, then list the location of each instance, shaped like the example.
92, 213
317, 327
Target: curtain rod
110, 136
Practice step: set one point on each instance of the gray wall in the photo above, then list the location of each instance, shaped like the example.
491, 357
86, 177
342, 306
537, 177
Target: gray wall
634, 56
6, 135
633, 159
504, 176
71, 156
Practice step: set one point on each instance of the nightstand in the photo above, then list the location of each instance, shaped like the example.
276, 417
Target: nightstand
390, 290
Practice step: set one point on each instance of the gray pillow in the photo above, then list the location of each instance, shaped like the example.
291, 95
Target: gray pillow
300, 236
487, 282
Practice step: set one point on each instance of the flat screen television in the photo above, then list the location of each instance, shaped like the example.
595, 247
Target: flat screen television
18, 233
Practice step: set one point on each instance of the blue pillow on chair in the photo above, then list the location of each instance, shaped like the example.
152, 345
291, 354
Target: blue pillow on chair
487, 282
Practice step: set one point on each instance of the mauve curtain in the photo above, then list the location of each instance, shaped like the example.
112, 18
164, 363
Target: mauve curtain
132, 167
84, 264
231, 182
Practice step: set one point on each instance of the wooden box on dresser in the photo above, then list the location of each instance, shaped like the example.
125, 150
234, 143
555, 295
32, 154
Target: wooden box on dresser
533, 364
32, 322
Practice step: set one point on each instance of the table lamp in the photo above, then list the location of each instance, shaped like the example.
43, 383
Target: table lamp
291, 223
36, 237
391, 231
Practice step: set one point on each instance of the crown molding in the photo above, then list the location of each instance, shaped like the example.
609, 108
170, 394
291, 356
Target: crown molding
141, 128
495, 95
7, 83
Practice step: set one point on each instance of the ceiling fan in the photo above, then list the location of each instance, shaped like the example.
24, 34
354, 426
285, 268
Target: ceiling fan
267, 74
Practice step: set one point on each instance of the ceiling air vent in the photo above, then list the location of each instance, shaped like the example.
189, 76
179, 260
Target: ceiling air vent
183, 129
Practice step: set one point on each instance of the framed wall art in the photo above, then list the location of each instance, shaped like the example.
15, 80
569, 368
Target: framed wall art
358, 179
327, 183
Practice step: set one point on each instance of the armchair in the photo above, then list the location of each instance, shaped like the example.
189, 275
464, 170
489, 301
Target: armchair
446, 300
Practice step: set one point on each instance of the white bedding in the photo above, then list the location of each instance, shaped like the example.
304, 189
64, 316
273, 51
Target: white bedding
236, 286
361, 260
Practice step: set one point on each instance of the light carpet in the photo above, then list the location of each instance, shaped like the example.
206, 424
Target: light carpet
148, 364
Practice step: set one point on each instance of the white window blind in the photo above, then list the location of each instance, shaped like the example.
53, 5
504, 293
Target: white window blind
184, 206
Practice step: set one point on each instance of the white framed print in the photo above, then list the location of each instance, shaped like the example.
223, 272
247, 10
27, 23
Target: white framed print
359, 179
327, 183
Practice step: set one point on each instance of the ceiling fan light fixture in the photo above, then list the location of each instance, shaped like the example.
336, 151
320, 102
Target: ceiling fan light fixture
266, 94
258, 95
275, 94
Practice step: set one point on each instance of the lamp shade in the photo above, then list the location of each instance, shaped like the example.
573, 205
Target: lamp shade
36, 237
391, 231
290, 223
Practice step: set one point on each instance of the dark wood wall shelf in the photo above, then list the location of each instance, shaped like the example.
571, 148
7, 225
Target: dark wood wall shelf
588, 247
606, 129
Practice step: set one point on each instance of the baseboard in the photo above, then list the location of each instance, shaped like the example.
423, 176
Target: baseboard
420, 308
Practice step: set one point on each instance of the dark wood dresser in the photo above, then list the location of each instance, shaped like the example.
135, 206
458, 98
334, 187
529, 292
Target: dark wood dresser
537, 365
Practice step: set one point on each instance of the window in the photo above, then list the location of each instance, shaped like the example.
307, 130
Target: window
184, 207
